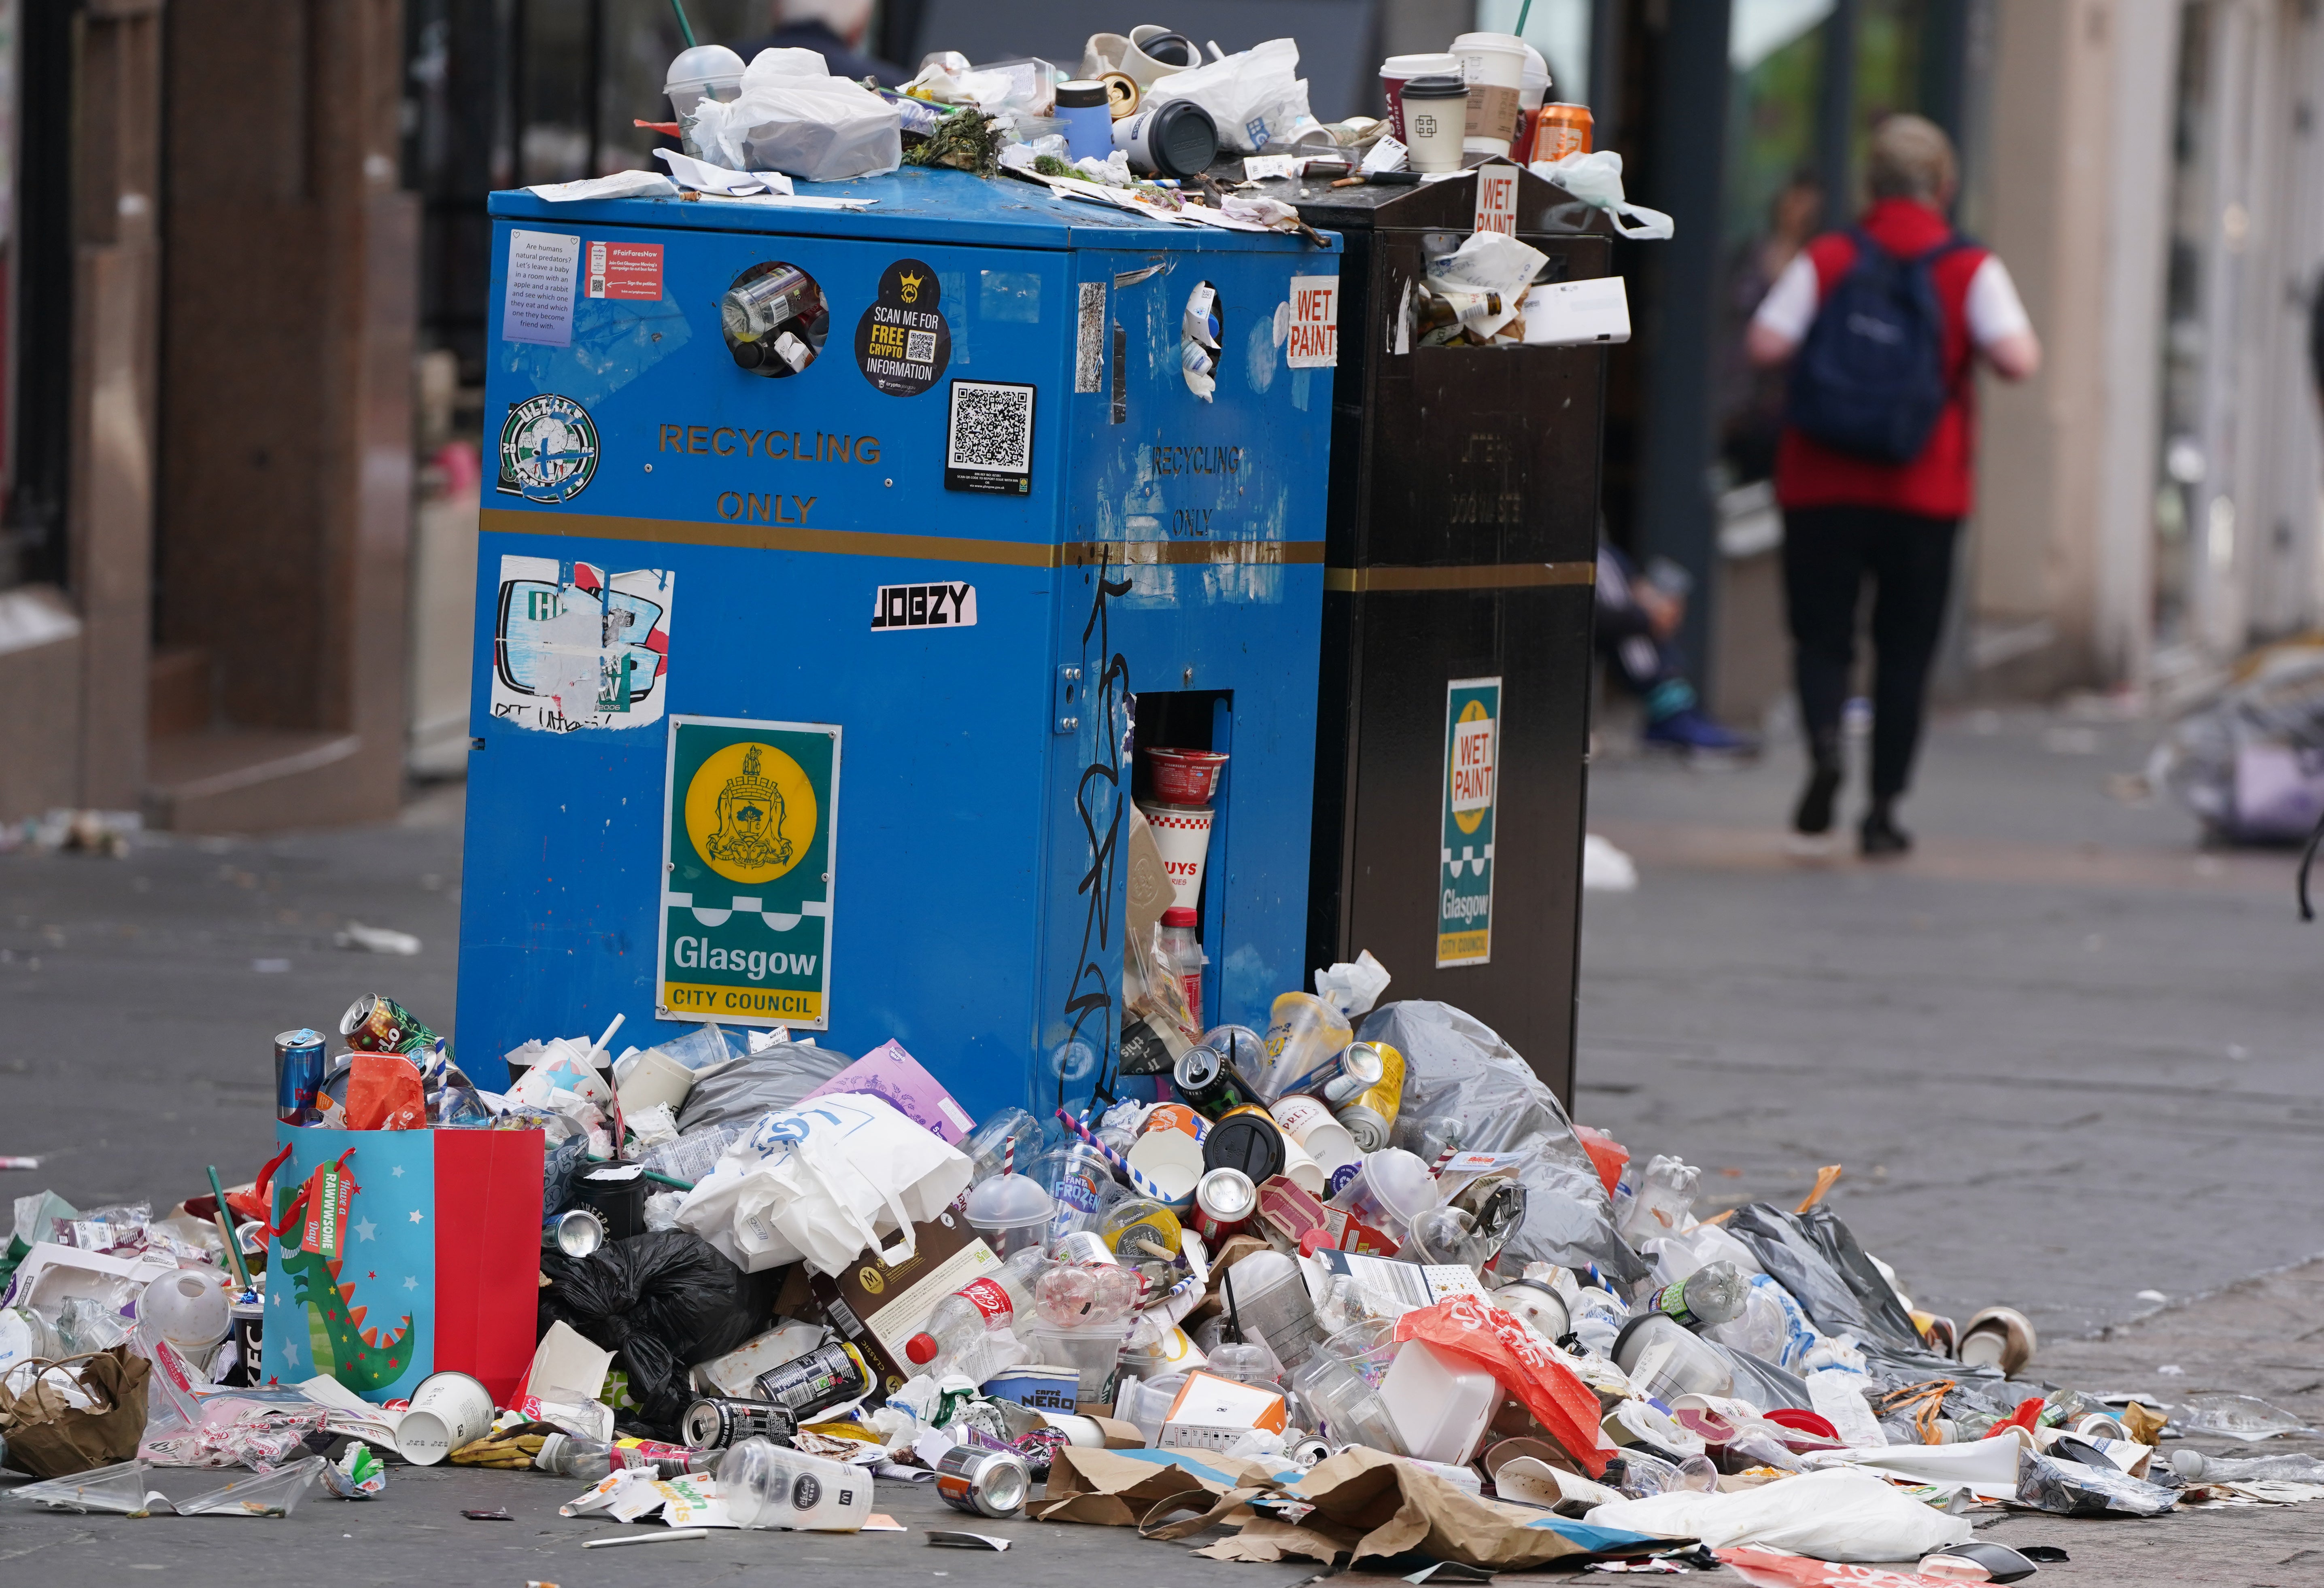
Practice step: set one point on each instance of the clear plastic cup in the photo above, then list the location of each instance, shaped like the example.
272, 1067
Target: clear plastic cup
1304, 1035
1012, 1211
1391, 1189
1080, 1180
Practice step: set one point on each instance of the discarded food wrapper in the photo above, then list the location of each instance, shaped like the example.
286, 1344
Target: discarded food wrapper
1366, 1504
1485, 281
1841, 1514
375, 939
701, 177
954, 1540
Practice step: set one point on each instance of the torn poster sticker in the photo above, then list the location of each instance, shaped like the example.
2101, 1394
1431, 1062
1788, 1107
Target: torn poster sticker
573, 647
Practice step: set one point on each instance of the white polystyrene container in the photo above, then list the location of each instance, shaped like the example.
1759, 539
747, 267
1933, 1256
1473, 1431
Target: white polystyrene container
1440, 1406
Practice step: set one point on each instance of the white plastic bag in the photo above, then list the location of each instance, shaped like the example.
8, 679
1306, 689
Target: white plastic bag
1596, 178
1843, 1513
819, 1182
819, 129
1255, 95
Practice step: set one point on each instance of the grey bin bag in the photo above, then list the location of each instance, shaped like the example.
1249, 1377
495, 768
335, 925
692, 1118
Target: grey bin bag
775, 1077
1456, 1063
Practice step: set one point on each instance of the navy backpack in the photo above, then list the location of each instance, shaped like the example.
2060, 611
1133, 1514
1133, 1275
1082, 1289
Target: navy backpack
1870, 377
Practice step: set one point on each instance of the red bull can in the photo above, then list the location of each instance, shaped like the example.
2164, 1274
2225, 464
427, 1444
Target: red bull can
298, 1059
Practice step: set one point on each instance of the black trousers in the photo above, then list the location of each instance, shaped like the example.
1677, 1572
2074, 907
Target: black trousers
1829, 553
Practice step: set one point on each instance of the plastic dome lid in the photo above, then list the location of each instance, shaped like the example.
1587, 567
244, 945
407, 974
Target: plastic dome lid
1010, 1202
702, 65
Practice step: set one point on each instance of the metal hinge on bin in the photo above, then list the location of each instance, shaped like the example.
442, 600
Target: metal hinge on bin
1069, 697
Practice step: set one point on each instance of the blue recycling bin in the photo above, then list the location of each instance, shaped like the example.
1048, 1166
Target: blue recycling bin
834, 555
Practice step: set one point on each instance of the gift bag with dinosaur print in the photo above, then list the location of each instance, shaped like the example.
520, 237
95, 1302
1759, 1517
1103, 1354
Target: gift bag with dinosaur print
403, 1253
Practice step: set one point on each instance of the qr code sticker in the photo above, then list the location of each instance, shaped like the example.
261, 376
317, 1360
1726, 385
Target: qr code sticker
991, 427
919, 347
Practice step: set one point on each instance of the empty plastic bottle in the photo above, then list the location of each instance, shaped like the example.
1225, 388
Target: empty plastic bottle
992, 1303
2197, 1467
1084, 1295
576, 1456
1712, 1294
1663, 1201
1598, 1319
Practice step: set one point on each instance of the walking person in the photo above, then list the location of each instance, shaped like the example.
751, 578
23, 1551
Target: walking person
1883, 325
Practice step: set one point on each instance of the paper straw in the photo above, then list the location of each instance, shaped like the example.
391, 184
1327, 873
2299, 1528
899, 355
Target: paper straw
1009, 1156
1444, 1157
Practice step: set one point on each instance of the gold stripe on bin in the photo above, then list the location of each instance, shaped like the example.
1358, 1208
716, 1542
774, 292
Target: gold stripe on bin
761, 536
1490, 575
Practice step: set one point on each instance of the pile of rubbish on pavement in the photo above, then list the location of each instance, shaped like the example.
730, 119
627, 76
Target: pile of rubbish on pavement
1357, 1288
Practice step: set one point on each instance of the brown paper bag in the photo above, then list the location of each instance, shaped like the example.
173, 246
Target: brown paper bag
1114, 1489
1390, 1507
50, 1438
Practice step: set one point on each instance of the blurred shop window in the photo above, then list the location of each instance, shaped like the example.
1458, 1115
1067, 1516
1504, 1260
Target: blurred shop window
2185, 461
1559, 28
1774, 205
1889, 35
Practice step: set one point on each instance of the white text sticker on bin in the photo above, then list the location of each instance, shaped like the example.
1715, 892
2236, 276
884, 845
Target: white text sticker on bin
1497, 199
1314, 339
537, 304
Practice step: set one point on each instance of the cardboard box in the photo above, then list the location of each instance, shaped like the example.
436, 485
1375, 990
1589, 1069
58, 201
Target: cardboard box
878, 1307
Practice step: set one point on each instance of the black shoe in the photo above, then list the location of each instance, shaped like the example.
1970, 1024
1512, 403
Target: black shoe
1880, 837
1814, 812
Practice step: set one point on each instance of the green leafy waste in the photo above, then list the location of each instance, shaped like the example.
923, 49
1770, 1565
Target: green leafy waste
966, 140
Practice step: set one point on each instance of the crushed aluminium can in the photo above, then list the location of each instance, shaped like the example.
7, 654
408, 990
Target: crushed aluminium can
577, 1231
825, 1379
1373, 1115
1204, 1080
721, 1422
1225, 1201
983, 1482
377, 1024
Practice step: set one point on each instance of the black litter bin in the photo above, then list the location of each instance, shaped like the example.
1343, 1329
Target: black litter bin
1462, 553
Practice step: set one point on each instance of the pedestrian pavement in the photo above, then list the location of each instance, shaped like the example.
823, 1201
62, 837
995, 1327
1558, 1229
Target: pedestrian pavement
2068, 1056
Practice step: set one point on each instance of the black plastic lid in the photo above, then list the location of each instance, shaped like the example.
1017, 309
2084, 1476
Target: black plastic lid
1245, 1141
1183, 140
1082, 95
1443, 84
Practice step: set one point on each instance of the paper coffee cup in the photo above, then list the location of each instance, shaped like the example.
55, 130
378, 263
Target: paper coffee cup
1170, 1160
1399, 69
1304, 1171
1322, 1137
656, 1077
1182, 834
1435, 115
1494, 65
447, 1411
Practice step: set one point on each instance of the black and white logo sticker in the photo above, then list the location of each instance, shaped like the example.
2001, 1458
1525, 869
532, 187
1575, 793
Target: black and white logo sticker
924, 606
989, 439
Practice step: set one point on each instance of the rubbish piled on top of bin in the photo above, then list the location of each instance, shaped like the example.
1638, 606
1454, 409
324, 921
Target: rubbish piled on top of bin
1355, 1283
